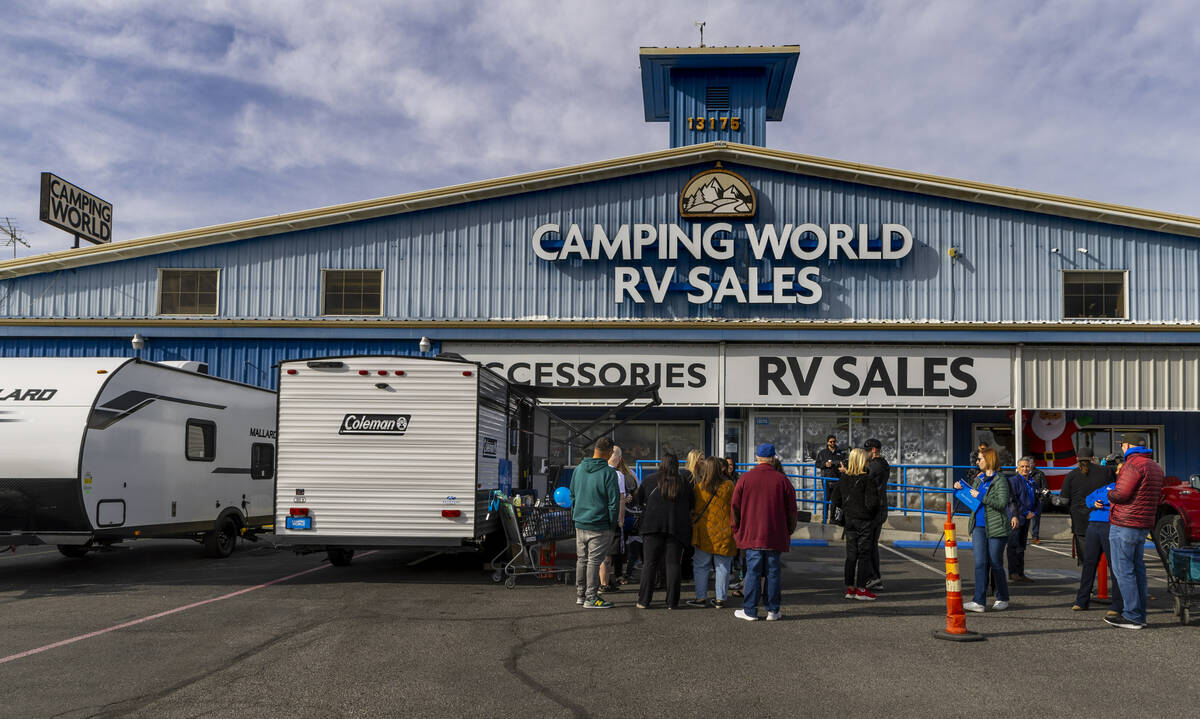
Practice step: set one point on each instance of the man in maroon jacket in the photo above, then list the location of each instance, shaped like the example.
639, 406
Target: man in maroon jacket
763, 519
1134, 504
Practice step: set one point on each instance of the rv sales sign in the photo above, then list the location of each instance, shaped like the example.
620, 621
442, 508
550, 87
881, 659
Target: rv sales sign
69, 208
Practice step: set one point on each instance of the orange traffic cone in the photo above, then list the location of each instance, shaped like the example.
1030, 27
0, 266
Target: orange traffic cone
1102, 578
956, 619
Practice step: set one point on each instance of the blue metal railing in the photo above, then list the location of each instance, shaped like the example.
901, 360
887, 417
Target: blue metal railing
812, 489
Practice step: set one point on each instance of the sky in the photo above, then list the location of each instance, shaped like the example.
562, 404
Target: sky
184, 115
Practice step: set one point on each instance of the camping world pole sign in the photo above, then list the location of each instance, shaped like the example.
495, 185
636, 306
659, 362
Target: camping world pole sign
70, 208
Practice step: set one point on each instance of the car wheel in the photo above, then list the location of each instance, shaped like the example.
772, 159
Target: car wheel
1168, 533
340, 557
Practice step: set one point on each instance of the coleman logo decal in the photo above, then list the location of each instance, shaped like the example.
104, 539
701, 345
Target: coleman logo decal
374, 424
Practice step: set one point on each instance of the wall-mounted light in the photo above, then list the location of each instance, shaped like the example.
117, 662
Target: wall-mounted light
425, 344
138, 341
953, 253
1084, 250
1054, 250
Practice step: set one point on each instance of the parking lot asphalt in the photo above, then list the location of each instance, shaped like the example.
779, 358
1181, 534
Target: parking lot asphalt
157, 630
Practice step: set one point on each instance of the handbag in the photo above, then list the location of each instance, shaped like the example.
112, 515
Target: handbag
636, 530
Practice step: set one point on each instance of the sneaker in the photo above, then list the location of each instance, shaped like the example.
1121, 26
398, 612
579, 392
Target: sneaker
579, 601
1077, 608
741, 614
876, 583
700, 603
973, 607
865, 595
1110, 614
1123, 623
774, 616
639, 605
597, 603
719, 603
851, 593
1035, 540
1000, 605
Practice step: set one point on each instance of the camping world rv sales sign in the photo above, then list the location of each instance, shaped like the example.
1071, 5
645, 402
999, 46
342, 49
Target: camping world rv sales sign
790, 248
69, 208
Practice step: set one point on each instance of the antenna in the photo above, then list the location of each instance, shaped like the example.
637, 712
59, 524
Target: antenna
700, 24
11, 232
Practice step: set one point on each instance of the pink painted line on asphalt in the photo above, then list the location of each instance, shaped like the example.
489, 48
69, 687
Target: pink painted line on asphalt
231, 595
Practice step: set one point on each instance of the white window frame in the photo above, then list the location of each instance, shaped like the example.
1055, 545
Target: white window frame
1062, 295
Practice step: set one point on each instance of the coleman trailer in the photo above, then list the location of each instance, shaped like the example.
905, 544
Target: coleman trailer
407, 451
94, 451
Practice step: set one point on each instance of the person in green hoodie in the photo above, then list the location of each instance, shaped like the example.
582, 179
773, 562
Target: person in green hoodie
595, 507
989, 527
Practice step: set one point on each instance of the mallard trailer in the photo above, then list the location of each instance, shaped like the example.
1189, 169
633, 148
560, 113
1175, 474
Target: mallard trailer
94, 451
406, 451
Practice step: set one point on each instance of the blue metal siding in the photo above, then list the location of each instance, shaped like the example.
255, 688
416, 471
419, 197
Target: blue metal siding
747, 102
242, 360
474, 262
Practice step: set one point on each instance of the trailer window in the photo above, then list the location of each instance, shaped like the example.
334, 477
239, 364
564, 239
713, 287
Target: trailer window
262, 460
200, 444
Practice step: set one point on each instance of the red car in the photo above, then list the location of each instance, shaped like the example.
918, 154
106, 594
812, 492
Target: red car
1178, 523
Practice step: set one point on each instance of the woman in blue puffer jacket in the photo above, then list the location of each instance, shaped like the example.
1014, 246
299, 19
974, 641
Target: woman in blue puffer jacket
1095, 542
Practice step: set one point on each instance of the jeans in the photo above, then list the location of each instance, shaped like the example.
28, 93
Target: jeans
759, 561
702, 562
989, 556
858, 534
1035, 524
660, 551
1017, 540
1096, 541
1129, 567
591, 546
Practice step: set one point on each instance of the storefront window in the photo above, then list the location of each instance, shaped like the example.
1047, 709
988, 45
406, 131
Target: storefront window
680, 438
924, 439
732, 446
781, 430
637, 441
818, 426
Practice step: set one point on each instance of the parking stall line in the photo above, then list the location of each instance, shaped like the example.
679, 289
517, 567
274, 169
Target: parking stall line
918, 562
159, 615
1149, 574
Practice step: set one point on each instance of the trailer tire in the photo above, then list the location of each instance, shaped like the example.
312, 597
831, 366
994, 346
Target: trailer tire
73, 551
340, 557
221, 542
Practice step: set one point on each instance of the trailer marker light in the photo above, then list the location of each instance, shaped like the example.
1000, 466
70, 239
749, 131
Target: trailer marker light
451, 513
291, 371
101, 371
298, 511
466, 373
399, 373
363, 372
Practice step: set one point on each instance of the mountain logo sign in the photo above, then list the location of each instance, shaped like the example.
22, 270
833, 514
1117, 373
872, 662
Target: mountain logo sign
717, 193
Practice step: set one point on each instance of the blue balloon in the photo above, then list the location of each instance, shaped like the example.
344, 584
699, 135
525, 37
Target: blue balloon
562, 497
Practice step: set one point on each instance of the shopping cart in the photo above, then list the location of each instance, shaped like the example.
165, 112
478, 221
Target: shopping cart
532, 532
1183, 580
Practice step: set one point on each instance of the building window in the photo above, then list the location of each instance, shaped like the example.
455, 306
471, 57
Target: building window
200, 443
1091, 294
187, 292
352, 292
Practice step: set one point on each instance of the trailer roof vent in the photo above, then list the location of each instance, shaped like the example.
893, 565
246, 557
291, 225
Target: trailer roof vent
326, 364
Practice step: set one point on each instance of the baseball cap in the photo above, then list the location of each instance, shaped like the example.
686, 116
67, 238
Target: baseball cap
872, 444
766, 450
1137, 439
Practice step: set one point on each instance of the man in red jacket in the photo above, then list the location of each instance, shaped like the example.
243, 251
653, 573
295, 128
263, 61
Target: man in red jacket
763, 519
1134, 504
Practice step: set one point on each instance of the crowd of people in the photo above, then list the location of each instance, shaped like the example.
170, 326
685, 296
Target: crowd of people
707, 521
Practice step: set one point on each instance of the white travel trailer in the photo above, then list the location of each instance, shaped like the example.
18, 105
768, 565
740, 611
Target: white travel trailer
405, 451
94, 451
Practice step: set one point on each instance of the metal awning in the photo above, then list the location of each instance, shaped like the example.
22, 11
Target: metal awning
605, 424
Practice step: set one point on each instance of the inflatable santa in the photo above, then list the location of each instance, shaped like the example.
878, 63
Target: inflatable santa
1050, 440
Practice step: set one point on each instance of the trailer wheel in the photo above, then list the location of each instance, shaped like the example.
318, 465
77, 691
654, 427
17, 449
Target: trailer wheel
221, 542
510, 582
340, 557
74, 551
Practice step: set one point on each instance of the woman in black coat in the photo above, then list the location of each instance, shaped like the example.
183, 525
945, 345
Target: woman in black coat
667, 500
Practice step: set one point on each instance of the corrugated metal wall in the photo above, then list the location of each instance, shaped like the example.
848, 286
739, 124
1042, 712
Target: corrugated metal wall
243, 360
747, 102
1142, 378
475, 262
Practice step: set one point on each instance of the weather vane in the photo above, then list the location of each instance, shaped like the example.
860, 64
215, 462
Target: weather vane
700, 24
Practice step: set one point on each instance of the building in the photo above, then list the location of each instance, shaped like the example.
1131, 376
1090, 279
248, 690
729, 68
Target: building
776, 296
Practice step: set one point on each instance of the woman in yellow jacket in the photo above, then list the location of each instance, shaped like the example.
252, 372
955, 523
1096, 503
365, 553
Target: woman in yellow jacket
712, 532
